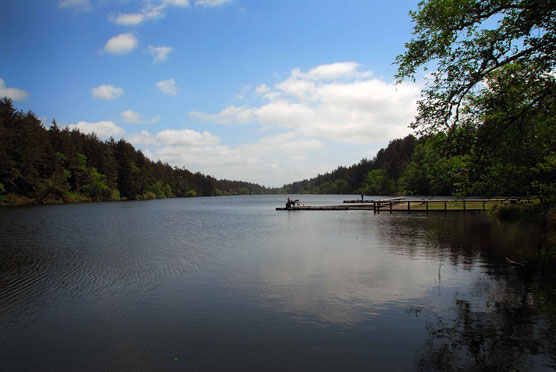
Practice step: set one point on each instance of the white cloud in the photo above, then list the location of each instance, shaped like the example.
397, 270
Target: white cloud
155, 10
79, 5
182, 3
121, 44
335, 101
167, 86
159, 53
130, 19
186, 137
103, 129
333, 71
140, 139
132, 117
149, 11
270, 160
15, 94
211, 3
262, 89
241, 95
107, 92
229, 114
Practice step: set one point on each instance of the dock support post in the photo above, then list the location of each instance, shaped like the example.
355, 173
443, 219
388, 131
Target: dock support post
390, 207
427, 205
408, 206
464, 205
483, 205
445, 206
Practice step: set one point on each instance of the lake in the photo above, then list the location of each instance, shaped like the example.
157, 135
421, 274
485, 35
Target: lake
229, 283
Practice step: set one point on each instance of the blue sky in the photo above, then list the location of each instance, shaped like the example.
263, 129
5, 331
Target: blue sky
263, 91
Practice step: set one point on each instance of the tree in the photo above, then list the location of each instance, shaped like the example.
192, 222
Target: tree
378, 183
516, 139
470, 40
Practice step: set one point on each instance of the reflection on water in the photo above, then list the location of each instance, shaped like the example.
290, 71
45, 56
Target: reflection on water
220, 283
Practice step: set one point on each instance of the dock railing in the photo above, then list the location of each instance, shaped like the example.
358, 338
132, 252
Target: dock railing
445, 205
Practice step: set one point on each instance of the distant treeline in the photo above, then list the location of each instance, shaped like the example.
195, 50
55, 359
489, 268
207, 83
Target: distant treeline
40, 165
469, 163
486, 116
350, 180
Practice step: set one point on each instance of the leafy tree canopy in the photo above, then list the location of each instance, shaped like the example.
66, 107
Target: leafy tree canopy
464, 42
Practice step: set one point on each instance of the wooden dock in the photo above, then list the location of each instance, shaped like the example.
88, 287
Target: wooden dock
359, 201
326, 208
409, 206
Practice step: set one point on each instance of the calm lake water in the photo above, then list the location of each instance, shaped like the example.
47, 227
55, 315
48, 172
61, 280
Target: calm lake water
228, 283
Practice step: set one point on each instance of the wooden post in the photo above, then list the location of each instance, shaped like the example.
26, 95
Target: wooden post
483, 205
374, 206
464, 205
445, 206
390, 207
408, 206
427, 205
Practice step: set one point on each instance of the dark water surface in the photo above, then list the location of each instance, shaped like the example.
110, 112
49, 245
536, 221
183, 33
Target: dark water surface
228, 283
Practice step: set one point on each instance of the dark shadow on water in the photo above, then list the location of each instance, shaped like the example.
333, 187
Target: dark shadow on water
507, 324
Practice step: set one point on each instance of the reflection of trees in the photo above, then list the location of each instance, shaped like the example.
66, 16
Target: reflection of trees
465, 238
512, 327
508, 320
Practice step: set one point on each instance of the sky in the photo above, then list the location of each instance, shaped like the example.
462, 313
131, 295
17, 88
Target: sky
265, 91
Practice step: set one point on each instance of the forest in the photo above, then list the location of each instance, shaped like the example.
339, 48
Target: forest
485, 125
486, 119
45, 166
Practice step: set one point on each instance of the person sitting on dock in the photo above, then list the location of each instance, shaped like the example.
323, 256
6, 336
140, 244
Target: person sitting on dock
292, 203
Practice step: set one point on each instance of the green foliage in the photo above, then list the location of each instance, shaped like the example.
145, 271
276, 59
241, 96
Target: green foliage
433, 172
191, 193
469, 41
161, 190
491, 99
39, 165
378, 183
339, 186
527, 212
349, 180
96, 187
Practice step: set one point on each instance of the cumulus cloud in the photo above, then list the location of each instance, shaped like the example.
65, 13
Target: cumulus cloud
149, 11
130, 19
241, 95
335, 101
262, 89
348, 70
15, 94
182, 3
132, 117
186, 137
159, 53
262, 161
107, 92
79, 5
167, 86
211, 3
103, 129
121, 44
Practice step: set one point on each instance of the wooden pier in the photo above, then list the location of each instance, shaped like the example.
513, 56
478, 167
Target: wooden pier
409, 206
359, 201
